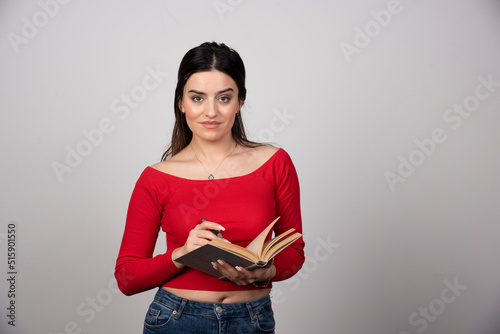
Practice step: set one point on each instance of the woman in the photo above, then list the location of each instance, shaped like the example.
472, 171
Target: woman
210, 178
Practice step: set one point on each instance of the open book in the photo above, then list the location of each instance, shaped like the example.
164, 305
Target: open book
256, 254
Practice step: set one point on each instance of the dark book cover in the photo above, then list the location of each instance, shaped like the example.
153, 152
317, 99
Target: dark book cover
202, 258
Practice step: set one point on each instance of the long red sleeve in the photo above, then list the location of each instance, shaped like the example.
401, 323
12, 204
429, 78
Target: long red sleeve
136, 270
289, 261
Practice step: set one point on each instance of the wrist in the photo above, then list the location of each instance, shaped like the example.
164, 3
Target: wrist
268, 278
178, 252
272, 274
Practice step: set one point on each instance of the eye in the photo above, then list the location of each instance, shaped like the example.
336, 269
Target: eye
197, 98
224, 99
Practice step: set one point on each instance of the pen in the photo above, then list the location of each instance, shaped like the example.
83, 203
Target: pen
217, 233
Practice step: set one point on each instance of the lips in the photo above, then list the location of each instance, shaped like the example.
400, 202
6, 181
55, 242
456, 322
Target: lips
211, 124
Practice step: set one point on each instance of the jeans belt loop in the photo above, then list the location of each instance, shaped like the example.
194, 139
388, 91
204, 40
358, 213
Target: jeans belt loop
181, 307
250, 312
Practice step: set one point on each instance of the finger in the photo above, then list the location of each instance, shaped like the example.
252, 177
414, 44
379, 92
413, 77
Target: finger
193, 243
233, 277
198, 238
208, 225
201, 242
269, 263
226, 269
237, 275
214, 228
201, 234
208, 234
243, 271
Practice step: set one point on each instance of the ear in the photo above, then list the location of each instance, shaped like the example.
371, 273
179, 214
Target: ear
180, 107
242, 102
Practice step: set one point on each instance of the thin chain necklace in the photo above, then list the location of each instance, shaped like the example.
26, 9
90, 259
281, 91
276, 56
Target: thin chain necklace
211, 175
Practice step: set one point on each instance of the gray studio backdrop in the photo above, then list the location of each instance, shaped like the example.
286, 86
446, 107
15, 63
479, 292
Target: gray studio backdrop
389, 109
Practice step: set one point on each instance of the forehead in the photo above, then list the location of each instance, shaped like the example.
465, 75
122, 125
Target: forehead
208, 82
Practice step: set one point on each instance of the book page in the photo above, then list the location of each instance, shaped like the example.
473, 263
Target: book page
235, 249
279, 246
268, 245
256, 245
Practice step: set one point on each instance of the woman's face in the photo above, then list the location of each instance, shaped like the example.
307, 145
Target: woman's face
210, 102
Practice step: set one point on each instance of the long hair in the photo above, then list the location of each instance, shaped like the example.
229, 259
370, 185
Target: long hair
209, 56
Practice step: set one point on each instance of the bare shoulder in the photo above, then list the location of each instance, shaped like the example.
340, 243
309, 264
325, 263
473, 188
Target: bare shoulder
162, 166
174, 165
166, 167
263, 153
267, 151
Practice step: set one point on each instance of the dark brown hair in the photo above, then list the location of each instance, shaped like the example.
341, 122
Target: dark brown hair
209, 56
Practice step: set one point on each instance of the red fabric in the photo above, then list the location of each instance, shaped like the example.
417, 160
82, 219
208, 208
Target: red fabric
244, 205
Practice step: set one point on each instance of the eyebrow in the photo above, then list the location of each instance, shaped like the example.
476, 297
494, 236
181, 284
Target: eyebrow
219, 92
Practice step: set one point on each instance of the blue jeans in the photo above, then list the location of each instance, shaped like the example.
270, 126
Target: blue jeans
169, 313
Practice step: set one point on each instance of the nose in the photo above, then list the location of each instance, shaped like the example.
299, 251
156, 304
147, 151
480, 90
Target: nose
211, 110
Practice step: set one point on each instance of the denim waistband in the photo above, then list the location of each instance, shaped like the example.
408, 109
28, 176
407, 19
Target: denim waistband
219, 310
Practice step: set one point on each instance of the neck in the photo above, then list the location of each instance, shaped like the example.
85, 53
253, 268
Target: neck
212, 152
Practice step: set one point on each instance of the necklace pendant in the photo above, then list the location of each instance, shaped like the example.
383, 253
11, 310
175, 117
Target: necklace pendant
211, 177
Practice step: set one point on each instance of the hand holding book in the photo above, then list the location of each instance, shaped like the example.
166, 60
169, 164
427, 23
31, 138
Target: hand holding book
259, 277
256, 255
199, 236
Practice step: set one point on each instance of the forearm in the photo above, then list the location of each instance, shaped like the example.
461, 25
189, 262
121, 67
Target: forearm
138, 275
289, 261
178, 252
